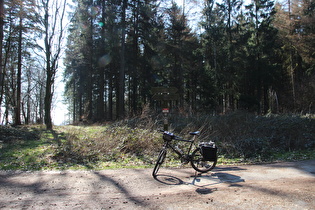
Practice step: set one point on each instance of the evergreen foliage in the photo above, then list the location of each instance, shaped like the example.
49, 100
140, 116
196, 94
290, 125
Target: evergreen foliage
238, 56
238, 61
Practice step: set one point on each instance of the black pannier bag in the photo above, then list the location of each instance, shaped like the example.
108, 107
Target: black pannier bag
208, 151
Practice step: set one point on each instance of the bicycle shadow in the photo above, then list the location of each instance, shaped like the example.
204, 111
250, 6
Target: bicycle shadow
218, 177
204, 182
221, 175
169, 180
173, 180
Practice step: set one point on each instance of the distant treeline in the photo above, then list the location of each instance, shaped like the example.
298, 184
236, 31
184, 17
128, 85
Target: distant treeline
257, 57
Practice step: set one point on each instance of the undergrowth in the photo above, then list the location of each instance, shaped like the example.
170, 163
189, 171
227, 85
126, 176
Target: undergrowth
241, 138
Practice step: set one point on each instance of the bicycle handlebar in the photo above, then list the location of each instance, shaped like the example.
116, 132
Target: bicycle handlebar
169, 134
173, 136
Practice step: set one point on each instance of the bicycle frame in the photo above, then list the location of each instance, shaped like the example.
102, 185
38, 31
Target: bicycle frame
181, 154
195, 157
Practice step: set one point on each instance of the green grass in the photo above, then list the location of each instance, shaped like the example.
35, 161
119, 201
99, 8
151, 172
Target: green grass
241, 138
25, 150
74, 147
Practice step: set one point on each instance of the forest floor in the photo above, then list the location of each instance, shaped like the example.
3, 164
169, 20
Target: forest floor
283, 185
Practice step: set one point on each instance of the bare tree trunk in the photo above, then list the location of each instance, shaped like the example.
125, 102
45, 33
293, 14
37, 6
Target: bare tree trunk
49, 71
19, 76
48, 95
28, 99
53, 37
41, 104
1, 45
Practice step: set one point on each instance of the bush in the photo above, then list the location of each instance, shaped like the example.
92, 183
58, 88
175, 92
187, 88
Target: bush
106, 143
238, 134
246, 135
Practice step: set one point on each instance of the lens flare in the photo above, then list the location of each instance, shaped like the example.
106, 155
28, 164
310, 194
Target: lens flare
104, 60
94, 11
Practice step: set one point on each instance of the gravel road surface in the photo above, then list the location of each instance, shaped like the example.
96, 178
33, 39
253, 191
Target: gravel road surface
289, 185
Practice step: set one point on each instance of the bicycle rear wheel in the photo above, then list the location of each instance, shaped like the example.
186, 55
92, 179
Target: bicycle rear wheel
199, 164
159, 162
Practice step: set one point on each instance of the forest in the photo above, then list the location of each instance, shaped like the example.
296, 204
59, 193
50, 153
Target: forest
254, 55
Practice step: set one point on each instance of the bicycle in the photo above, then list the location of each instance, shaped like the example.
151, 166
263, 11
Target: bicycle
202, 159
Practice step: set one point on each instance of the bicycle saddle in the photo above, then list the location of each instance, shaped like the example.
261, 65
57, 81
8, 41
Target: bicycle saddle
195, 133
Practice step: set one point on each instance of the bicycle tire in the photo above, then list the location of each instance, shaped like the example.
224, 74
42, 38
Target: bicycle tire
199, 164
159, 162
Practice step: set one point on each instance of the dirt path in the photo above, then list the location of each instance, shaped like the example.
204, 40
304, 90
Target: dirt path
272, 186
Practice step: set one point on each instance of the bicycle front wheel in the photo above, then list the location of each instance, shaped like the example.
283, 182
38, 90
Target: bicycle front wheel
199, 164
159, 162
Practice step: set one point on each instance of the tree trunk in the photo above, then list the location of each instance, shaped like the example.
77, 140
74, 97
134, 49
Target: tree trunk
89, 111
121, 90
74, 111
48, 94
110, 95
53, 39
49, 73
41, 105
1, 45
28, 98
19, 75
101, 69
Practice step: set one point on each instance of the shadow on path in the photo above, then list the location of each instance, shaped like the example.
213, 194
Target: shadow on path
228, 178
204, 182
169, 180
121, 188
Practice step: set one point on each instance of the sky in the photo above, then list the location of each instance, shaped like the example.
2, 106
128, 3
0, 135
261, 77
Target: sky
59, 109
